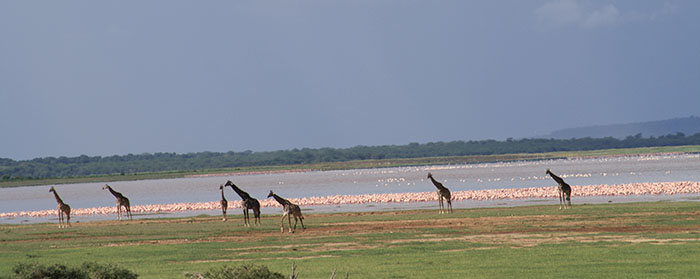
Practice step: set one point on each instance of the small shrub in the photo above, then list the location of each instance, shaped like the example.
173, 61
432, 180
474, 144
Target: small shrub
246, 271
37, 271
59, 271
107, 271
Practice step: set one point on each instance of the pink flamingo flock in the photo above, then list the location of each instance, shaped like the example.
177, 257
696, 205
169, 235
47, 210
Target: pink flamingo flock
652, 188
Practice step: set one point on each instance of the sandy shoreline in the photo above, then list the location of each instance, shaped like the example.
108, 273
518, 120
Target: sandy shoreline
630, 189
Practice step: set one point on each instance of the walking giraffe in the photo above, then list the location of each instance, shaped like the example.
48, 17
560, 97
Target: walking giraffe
247, 203
564, 190
63, 208
289, 209
121, 201
442, 192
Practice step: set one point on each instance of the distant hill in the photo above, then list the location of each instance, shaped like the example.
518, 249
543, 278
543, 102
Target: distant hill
688, 125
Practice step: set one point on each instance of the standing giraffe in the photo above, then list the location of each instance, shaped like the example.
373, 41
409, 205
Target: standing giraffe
289, 209
121, 201
63, 208
247, 203
224, 202
442, 192
564, 190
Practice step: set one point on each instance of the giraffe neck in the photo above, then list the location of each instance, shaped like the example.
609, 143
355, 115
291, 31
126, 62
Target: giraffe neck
436, 183
556, 178
58, 199
114, 193
240, 192
280, 199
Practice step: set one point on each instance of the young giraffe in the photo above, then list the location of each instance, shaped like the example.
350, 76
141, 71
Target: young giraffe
121, 201
224, 202
442, 192
63, 208
247, 203
289, 209
564, 190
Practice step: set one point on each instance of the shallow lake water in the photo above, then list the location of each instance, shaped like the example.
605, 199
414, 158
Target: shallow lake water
588, 171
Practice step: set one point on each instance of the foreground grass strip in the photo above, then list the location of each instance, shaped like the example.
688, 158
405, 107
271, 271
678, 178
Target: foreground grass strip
634, 240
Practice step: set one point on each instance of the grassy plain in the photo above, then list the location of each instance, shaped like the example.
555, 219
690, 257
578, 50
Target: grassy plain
629, 240
361, 164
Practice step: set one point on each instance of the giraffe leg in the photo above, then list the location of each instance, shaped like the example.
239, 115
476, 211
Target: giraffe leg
60, 219
68, 218
128, 212
561, 199
301, 219
289, 219
282, 222
295, 223
245, 216
256, 215
449, 205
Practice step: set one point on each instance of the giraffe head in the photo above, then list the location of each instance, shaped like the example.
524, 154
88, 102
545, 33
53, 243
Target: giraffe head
430, 175
105, 187
548, 172
228, 183
52, 189
221, 187
270, 194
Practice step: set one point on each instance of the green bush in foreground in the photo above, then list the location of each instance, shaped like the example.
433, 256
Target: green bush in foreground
246, 271
58, 271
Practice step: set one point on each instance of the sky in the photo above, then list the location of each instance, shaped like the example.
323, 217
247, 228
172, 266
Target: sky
102, 78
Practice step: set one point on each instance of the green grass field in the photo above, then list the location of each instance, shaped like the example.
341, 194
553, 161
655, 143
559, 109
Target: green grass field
630, 240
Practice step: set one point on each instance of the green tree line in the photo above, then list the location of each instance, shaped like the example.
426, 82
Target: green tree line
59, 167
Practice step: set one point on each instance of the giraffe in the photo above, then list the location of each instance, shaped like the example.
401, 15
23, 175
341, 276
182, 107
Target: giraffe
121, 201
247, 203
442, 192
289, 209
63, 208
224, 202
564, 190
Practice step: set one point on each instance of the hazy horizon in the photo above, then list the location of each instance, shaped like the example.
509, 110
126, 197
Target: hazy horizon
224, 151
116, 78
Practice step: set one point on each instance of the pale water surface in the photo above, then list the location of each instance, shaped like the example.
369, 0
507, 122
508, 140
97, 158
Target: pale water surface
591, 171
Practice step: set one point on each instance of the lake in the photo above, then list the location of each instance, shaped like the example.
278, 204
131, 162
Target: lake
585, 171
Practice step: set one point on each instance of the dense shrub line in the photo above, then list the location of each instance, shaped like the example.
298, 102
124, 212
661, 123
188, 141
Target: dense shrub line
50, 167
88, 270
91, 270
